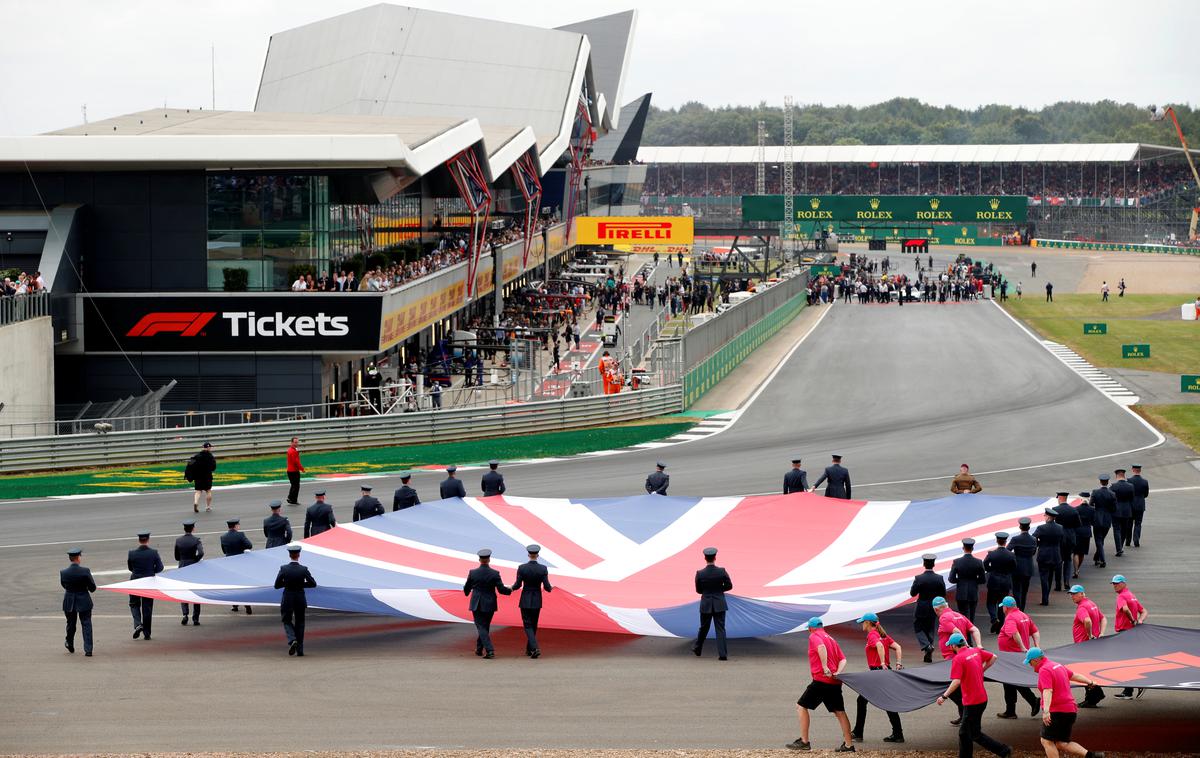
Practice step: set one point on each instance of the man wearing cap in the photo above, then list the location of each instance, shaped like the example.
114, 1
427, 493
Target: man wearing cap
658, 480
1124, 494
795, 480
77, 584
1000, 564
451, 486
199, 472
367, 506
1129, 613
965, 483
1058, 704
1083, 533
925, 587
234, 542
1105, 504
879, 648
319, 517
950, 622
1089, 624
1017, 635
1024, 549
838, 478
276, 527
294, 469
712, 582
1066, 517
825, 661
966, 574
293, 578
532, 578
1141, 491
1049, 538
483, 582
406, 496
143, 562
966, 674
493, 481
189, 550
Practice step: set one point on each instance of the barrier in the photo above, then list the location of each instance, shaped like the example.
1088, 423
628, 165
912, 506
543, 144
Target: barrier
1114, 247
270, 438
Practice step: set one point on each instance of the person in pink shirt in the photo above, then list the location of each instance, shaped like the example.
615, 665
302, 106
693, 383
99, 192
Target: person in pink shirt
950, 622
966, 674
879, 650
1058, 704
1089, 624
825, 661
1017, 634
1130, 612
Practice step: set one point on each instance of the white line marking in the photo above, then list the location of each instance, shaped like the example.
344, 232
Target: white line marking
132, 540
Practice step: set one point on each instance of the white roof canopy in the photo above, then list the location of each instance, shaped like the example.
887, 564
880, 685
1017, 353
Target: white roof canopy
1100, 152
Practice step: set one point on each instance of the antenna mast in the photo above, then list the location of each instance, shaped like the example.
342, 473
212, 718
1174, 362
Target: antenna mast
760, 155
788, 227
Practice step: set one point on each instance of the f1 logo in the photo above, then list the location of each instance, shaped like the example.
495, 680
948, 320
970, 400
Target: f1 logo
183, 324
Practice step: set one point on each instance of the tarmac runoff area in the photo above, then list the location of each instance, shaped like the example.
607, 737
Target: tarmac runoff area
904, 394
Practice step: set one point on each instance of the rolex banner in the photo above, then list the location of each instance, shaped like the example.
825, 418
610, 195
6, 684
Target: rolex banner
975, 209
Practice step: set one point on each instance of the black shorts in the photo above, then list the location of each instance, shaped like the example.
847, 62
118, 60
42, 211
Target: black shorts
1060, 726
822, 693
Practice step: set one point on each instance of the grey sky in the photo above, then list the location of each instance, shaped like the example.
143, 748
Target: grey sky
120, 56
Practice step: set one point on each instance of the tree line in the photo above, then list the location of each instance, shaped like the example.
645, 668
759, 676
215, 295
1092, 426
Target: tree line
907, 121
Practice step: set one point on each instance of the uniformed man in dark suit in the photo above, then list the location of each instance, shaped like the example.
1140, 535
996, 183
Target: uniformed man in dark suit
319, 517
1083, 533
532, 578
276, 527
1105, 504
493, 481
925, 587
367, 506
189, 550
1068, 519
712, 582
795, 480
966, 574
406, 496
659, 480
143, 562
233, 542
293, 578
838, 478
1024, 549
451, 486
1124, 493
1049, 538
1000, 564
77, 584
482, 585
1141, 491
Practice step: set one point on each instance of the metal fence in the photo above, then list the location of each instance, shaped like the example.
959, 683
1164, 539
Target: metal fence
707, 338
24, 307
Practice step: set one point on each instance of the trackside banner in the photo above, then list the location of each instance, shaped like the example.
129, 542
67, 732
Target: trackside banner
888, 208
639, 230
230, 322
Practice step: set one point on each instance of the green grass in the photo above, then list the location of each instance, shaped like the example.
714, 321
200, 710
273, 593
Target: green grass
1182, 421
379, 460
1174, 344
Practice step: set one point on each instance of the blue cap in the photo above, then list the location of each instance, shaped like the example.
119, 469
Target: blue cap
938, 602
75, 551
406, 475
815, 622
956, 639
868, 617
1118, 579
1075, 589
1009, 602
1033, 654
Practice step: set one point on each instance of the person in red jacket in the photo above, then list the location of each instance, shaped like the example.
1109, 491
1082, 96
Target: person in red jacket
294, 469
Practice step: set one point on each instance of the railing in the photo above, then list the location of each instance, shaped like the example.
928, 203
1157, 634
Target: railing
175, 445
24, 307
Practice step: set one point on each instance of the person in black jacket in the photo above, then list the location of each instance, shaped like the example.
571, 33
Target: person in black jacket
999, 565
77, 584
483, 582
143, 562
1141, 491
201, 468
293, 578
319, 517
1105, 504
1049, 538
233, 542
1068, 519
406, 496
532, 578
839, 480
451, 486
1125, 494
276, 527
925, 587
367, 506
659, 480
795, 480
493, 481
1083, 532
1024, 549
189, 550
712, 582
966, 574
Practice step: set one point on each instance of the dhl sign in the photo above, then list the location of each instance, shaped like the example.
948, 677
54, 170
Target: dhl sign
640, 230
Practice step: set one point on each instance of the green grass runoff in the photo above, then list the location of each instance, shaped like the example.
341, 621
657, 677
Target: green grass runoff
1182, 421
380, 460
1174, 343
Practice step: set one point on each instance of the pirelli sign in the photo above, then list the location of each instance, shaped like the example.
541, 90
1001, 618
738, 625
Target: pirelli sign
639, 230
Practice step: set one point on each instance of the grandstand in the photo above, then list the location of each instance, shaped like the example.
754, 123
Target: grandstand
1126, 192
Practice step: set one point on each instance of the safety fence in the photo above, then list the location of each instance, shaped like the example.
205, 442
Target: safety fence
448, 425
24, 307
1114, 247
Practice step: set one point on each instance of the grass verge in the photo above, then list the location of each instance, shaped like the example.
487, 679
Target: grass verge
1181, 421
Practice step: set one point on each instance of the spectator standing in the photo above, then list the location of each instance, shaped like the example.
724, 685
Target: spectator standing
1049, 292
294, 469
199, 472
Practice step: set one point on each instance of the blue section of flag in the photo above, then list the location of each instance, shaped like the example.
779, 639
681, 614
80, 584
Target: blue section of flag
450, 524
923, 517
642, 516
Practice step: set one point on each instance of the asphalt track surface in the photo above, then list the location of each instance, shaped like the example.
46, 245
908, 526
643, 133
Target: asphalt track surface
905, 394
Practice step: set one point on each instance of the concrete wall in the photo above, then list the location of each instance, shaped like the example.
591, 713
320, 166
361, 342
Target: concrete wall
26, 374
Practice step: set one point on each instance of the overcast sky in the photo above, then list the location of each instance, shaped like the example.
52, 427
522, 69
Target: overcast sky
120, 56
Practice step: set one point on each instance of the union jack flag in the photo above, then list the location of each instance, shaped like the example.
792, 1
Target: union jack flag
623, 564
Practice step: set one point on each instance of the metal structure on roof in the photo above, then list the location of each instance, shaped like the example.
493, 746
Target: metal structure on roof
1100, 152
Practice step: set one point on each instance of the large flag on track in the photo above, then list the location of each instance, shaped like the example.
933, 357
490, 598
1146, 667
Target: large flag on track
622, 565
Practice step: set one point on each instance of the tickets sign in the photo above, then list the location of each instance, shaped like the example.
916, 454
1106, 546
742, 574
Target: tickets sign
638, 230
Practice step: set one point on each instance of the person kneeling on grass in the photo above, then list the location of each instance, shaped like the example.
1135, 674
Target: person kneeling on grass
826, 661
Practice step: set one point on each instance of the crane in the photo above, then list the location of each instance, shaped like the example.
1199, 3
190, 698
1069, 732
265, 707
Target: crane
1160, 114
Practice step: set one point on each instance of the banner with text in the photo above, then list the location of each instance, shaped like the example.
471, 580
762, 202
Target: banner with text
641, 230
889, 208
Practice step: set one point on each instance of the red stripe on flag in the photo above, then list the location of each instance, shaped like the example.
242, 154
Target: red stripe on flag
560, 610
541, 532
360, 544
